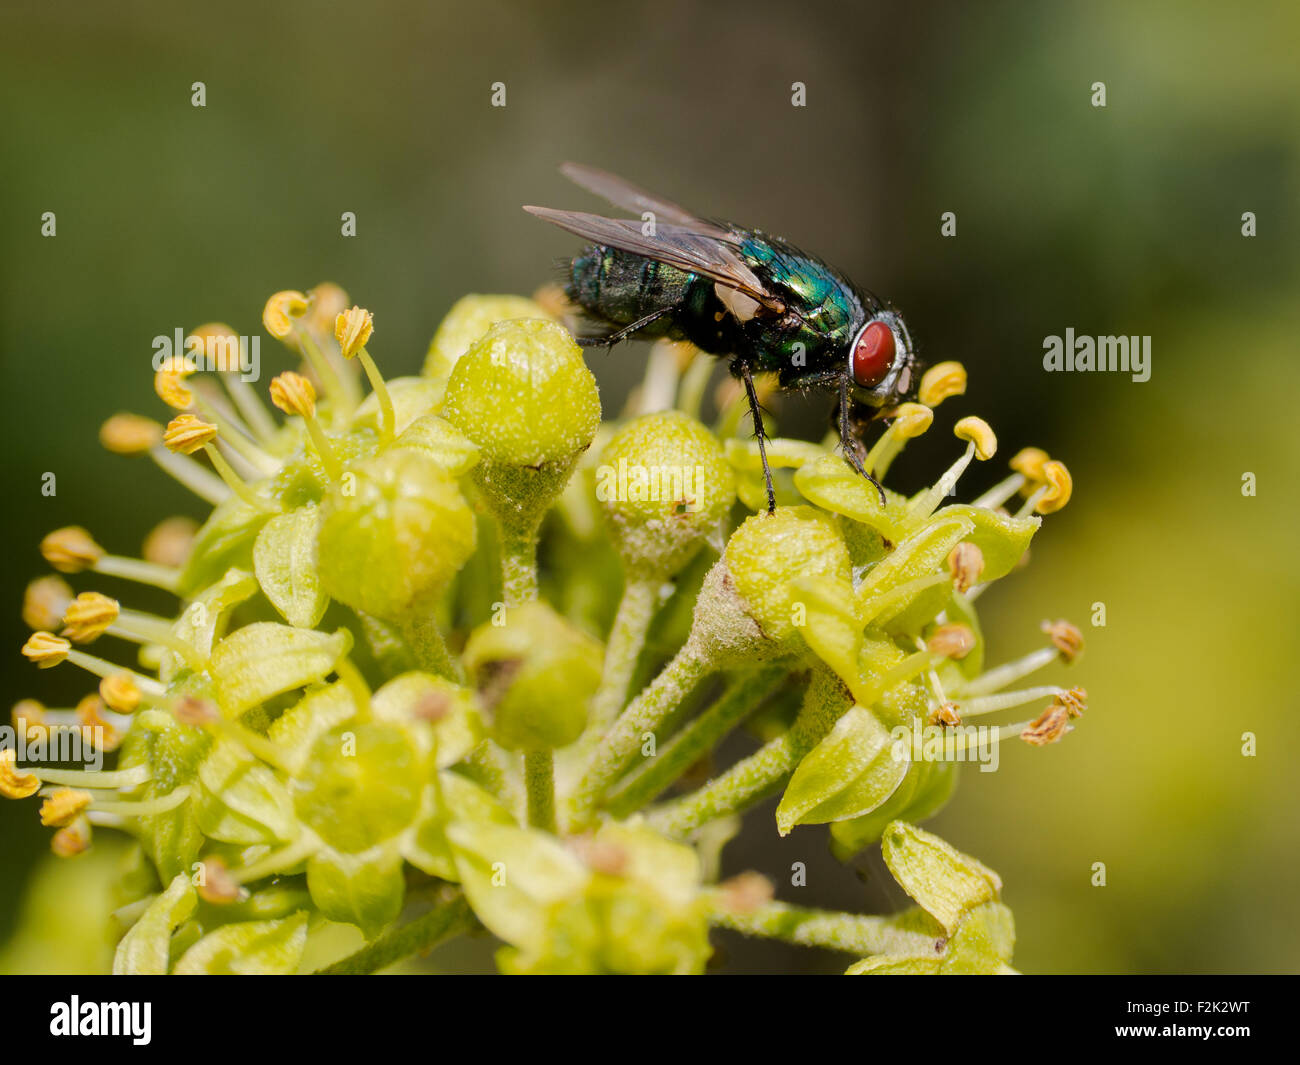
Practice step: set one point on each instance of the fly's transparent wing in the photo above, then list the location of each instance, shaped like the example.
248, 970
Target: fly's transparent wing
693, 248
630, 197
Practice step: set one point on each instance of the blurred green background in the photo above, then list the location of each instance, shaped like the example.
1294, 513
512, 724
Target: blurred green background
1122, 220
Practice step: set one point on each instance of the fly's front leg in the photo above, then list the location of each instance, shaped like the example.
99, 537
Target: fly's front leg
626, 331
756, 412
850, 444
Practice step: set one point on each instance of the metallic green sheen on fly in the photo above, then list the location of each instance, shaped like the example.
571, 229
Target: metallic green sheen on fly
739, 294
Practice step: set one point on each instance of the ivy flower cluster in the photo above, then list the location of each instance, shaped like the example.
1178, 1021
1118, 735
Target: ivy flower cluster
453, 654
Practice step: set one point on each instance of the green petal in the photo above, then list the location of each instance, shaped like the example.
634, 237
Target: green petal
443, 442
853, 770
830, 483
296, 731
983, 943
512, 875
365, 889
225, 540
944, 882
1001, 538
889, 965
264, 658
284, 559
241, 800
831, 627
146, 949
456, 732
922, 794
413, 398
250, 948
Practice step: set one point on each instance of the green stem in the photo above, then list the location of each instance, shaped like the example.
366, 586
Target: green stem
626, 639
745, 694
518, 565
757, 776
488, 765
539, 779
644, 714
450, 918
430, 649
851, 933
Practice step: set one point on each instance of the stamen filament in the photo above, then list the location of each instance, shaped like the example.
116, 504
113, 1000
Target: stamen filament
146, 807
100, 667
236, 437
233, 479
324, 370
203, 483
277, 861
928, 501
136, 569
1000, 492
249, 402
1000, 677
387, 420
118, 779
989, 704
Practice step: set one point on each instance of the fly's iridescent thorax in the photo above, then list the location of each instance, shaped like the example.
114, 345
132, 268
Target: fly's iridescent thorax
823, 313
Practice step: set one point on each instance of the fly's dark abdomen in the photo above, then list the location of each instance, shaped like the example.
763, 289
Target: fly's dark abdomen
621, 288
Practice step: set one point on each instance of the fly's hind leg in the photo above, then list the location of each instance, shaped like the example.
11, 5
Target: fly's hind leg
850, 444
756, 412
626, 331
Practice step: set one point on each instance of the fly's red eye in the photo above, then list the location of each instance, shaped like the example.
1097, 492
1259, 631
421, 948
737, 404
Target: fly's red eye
873, 354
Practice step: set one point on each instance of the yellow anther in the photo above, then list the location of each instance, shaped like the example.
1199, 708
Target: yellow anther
71, 549
62, 805
169, 382
129, 434
186, 434
951, 641
294, 394
216, 885
966, 564
170, 541
328, 301
977, 431
120, 692
1066, 638
220, 344
1028, 462
46, 649
942, 381
1075, 701
28, 718
14, 783
1047, 727
90, 713
746, 892
910, 421
88, 617
191, 710
945, 714
72, 839
352, 330
280, 311
1060, 485
44, 601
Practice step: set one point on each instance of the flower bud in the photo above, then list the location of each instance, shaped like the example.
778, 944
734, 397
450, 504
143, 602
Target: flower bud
393, 534
469, 318
534, 675
524, 395
770, 551
664, 487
